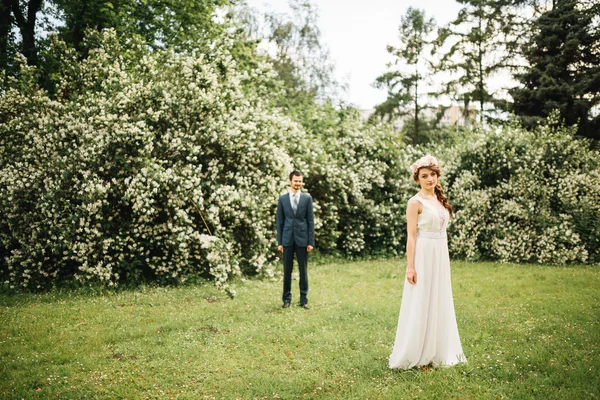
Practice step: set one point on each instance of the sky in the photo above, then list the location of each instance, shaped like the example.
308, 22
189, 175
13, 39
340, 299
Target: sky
357, 33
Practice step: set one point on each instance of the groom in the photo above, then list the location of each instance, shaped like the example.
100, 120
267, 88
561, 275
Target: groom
295, 236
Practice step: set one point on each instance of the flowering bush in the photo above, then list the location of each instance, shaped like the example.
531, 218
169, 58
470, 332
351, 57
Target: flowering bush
518, 196
142, 166
525, 197
352, 173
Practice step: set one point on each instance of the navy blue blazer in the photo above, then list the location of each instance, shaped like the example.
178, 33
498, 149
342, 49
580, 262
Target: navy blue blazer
299, 227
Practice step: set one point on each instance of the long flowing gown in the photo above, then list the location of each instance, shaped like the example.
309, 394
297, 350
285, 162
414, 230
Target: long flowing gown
427, 331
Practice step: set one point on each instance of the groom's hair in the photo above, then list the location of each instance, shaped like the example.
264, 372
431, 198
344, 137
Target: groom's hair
295, 173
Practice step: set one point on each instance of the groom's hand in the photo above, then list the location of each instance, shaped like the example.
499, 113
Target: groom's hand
309, 248
280, 248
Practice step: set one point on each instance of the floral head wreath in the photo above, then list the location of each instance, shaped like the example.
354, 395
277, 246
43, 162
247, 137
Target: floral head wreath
425, 161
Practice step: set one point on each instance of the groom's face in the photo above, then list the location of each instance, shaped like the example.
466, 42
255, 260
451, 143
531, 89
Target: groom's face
296, 183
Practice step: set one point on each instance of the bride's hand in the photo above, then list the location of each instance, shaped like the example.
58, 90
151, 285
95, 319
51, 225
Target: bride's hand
411, 277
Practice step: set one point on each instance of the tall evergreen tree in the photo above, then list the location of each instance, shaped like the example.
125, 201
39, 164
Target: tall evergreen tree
564, 72
481, 44
405, 77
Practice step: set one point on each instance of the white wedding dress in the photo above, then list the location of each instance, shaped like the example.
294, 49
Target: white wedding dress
427, 331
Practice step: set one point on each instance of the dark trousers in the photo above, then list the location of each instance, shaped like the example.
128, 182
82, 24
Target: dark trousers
288, 266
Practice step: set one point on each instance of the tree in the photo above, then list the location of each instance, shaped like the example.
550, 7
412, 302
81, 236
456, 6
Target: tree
404, 82
302, 62
24, 18
564, 72
5, 38
176, 129
162, 23
189, 24
481, 44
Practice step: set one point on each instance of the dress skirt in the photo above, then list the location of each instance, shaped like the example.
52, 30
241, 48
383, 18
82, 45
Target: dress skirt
427, 331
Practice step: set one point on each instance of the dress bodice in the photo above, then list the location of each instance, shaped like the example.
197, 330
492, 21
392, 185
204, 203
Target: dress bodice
433, 218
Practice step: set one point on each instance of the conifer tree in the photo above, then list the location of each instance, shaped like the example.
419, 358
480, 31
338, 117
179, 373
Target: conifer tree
406, 75
564, 72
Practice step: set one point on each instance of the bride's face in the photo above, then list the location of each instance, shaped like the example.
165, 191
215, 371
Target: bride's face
427, 178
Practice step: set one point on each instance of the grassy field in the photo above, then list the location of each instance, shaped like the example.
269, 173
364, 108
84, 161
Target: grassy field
527, 331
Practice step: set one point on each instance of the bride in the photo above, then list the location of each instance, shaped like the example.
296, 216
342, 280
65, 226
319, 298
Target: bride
427, 333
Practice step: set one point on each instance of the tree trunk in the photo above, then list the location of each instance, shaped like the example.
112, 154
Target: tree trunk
27, 28
416, 132
77, 32
5, 26
481, 98
480, 83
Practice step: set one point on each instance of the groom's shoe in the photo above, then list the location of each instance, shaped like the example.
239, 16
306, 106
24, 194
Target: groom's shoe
285, 305
305, 306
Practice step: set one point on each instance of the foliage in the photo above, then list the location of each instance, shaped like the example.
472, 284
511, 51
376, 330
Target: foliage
525, 197
148, 165
564, 72
528, 331
292, 42
161, 23
7, 36
351, 172
25, 19
151, 165
177, 24
519, 196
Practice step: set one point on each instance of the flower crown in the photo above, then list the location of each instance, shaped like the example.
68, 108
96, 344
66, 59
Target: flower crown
425, 161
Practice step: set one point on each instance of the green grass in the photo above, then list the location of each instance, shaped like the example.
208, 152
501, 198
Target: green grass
527, 331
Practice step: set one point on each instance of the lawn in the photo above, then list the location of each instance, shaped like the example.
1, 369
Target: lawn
527, 331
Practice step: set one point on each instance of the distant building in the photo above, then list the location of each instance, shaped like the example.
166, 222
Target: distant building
453, 116
365, 114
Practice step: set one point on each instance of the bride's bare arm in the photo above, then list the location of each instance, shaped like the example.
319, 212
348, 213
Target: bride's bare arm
412, 213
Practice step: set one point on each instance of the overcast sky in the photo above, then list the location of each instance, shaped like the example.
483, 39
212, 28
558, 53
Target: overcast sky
357, 33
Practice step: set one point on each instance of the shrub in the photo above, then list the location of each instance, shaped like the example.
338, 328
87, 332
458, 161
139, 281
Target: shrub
354, 177
143, 166
524, 196
155, 165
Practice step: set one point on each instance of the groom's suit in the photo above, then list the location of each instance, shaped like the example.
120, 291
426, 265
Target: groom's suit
295, 231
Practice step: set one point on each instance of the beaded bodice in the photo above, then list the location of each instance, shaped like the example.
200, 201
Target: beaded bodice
433, 218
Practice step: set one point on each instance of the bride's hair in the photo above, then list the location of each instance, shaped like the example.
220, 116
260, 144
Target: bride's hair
439, 192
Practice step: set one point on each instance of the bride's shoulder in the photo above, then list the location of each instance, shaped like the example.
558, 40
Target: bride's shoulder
415, 203
415, 199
